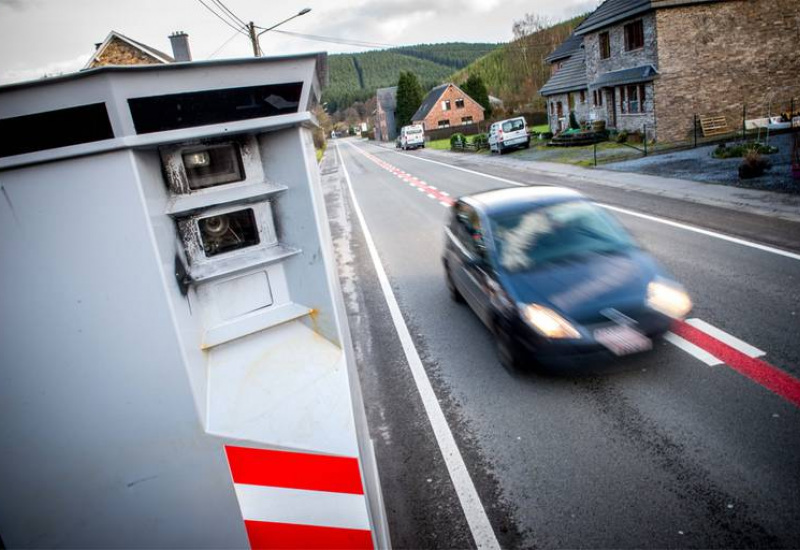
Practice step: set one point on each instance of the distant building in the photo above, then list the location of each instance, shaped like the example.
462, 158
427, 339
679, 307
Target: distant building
446, 106
118, 49
384, 114
657, 63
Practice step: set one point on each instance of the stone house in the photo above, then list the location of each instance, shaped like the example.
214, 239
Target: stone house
118, 49
652, 65
567, 90
447, 106
384, 124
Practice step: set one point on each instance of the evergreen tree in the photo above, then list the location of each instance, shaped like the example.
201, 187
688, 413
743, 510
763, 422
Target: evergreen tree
409, 98
476, 89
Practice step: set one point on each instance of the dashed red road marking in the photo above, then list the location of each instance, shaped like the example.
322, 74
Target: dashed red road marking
760, 372
431, 191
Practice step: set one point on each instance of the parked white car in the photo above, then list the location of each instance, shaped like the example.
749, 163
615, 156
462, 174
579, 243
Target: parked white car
412, 137
508, 134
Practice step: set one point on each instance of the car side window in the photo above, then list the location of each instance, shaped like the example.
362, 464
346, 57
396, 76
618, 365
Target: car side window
466, 226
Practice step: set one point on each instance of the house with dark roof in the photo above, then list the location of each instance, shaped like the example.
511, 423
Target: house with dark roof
651, 65
118, 49
447, 106
384, 124
567, 89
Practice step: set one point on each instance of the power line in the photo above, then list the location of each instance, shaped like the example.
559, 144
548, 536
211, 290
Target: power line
224, 44
238, 19
335, 40
218, 16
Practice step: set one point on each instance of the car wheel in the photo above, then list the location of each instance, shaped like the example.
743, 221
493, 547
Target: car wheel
501, 150
528, 144
508, 349
455, 295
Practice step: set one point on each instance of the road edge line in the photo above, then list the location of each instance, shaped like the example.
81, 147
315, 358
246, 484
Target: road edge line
480, 527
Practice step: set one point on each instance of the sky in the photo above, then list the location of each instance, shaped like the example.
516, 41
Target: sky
48, 37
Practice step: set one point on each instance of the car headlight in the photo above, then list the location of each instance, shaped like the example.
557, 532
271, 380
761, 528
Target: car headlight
549, 323
668, 298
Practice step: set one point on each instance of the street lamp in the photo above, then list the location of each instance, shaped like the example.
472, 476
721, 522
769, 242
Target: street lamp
254, 37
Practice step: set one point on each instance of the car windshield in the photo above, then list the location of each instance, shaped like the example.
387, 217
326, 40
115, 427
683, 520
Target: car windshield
525, 240
513, 125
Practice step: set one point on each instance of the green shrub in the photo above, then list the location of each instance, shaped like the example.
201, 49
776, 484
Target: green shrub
481, 140
722, 151
457, 140
573, 122
546, 135
622, 137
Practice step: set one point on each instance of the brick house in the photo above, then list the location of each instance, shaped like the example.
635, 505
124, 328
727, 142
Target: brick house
657, 63
446, 106
118, 49
384, 123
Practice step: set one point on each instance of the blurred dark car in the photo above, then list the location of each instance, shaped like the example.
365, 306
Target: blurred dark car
555, 277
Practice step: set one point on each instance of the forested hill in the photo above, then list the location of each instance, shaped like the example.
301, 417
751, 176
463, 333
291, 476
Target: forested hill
514, 72
355, 77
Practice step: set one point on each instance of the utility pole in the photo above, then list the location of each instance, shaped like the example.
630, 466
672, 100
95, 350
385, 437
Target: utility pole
251, 28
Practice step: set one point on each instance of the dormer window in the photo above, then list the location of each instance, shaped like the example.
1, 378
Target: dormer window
634, 35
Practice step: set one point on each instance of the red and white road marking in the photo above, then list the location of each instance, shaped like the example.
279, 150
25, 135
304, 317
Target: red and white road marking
299, 500
715, 347
429, 190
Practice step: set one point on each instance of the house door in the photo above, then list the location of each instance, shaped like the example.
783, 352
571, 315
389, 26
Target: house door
612, 107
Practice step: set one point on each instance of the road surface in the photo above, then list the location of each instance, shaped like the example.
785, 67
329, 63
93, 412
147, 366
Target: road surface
693, 445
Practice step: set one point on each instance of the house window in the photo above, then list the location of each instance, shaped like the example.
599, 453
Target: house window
571, 102
552, 108
632, 94
605, 46
623, 103
446, 105
460, 103
583, 96
559, 109
466, 120
634, 35
444, 123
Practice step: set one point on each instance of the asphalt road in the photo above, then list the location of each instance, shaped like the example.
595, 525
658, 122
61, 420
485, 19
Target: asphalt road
658, 450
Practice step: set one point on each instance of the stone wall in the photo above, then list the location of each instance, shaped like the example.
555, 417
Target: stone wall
620, 59
635, 122
454, 115
583, 110
714, 58
119, 52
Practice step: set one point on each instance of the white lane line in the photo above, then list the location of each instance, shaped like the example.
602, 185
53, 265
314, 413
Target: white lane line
444, 204
477, 520
687, 227
722, 336
431, 196
695, 229
691, 349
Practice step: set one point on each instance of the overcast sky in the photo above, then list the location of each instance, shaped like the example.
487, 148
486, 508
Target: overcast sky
39, 37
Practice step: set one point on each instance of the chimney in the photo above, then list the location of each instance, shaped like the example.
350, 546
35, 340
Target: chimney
180, 46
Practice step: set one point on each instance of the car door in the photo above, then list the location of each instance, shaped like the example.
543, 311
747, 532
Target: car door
471, 270
493, 136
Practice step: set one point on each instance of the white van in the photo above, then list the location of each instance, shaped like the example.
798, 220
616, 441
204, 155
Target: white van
508, 134
412, 137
